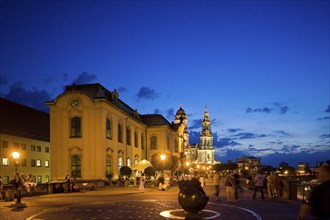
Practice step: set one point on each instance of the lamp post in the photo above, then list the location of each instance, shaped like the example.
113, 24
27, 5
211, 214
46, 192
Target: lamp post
16, 157
163, 157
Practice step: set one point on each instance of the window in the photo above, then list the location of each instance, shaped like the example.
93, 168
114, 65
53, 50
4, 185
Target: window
136, 161
39, 179
33, 148
38, 163
38, 148
108, 129
76, 127
5, 161
136, 139
76, 166
120, 163
109, 167
5, 179
4, 144
46, 163
33, 163
23, 146
142, 141
47, 178
153, 142
120, 133
47, 149
129, 162
16, 145
128, 136
23, 162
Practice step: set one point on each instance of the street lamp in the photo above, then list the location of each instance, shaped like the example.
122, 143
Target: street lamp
16, 157
163, 157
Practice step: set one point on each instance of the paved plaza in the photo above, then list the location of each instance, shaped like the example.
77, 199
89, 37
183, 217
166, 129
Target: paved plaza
113, 202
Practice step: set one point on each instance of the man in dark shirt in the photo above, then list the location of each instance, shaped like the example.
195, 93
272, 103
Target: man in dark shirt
319, 202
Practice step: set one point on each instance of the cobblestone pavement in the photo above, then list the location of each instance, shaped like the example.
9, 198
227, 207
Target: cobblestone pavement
112, 202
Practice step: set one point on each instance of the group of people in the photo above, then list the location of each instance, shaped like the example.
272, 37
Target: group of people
71, 185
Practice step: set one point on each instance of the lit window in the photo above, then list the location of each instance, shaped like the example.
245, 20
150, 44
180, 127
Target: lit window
128, 162
46, 163
38, 163
109, 129
120, 163
5, 161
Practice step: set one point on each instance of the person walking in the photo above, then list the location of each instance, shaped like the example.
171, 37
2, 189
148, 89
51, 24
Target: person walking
229, 183
318, 203
142, 182
216, 182
271, 185
259, 180
202, 181
237, 184
67, 184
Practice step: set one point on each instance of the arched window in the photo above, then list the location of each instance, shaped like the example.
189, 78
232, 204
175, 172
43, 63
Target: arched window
75, 127
176, 145
129, 162
128, 136
120, 163
108, 129
136, 161
108, 166
153, 142
142, 141
136, 144
75, 166
120, 133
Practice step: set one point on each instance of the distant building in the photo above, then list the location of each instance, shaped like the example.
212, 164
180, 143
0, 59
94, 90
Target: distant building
248, 164
303, 168
24, 130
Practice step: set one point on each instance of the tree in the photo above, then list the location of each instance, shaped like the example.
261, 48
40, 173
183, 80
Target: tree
125, 171
150, 171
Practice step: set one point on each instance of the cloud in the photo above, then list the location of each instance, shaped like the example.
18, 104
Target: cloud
195, 124
265, 110
325, 136
327, 110
157, 111
290, 148
246, 135
84, 78
146, 93
233, 130
281, 133
170, 114
34, 98
225, 142
122, 89
284, 109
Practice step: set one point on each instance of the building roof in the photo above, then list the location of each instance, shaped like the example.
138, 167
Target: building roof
22, 121
154, 120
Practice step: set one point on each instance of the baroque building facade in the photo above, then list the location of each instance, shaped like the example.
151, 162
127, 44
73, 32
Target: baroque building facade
93, 134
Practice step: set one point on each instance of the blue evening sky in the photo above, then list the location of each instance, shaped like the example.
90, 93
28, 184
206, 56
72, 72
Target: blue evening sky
260, 67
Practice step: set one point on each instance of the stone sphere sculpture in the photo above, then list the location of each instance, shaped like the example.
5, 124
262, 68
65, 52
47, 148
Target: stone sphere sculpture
192, 197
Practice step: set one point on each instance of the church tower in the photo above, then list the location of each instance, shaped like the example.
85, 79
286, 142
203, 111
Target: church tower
206, 150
